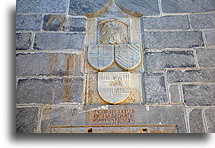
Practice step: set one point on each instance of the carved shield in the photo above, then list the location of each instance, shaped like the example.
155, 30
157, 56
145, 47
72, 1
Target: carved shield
114, 87
100, 57
128, 56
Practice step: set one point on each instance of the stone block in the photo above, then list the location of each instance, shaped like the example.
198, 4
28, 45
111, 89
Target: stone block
135, 96
50, 91
26, 119
187, 6
155, 90
206, 57
172, 39
210, 37
194, 75
210, 119
158, 61
174, 94
75, 25
49, 64
28, 22
139, 7
55, 41
199, 95
202, 21
196, 121
166, 22
41, 6
23, 41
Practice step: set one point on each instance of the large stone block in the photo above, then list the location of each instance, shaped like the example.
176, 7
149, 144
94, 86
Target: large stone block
54, 41
210, 37
41, 6
155, 90
172, 39
23, 41
166, 22
196, 121
210, 119
26, 119
51, 91
195, 75
174, 94
199, 95
186, 6
28, 22
202, 21
49, 64
158, 61
206, 57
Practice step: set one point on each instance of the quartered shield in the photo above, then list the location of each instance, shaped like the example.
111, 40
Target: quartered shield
114, 87
128, 56
100, 57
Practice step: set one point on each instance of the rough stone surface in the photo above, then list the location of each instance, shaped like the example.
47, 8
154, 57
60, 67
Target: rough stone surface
55, 41
174, 94
155, 90
195, 75
196, 121
23, 41
75, 24
199, 95
186, 6
86, 7
49, 64
166, 22
202, 21
206, 57
49, 91
139, 7
210, 37
41, 6
26, 119
28, 22
157, 61
172, 39
210, 119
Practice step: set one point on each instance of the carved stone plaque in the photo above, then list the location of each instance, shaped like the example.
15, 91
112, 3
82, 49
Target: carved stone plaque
113, 31
100, 57
128, 56
114, 87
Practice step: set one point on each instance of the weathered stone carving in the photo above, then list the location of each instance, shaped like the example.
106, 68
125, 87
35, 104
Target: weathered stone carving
128, 56
113, 31
100, 57
114, 87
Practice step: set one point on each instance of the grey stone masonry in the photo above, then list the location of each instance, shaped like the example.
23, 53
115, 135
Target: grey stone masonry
50, 91
158, 61
56, 41
28, 22
172, 39
26, 119
196, 121
155, 90
206, 57
174, 94
23, 41
166, 22
63, 23
49, 64
202, 21
199, 95
187, 6
210, 119
210, 37
41, 6
194, 75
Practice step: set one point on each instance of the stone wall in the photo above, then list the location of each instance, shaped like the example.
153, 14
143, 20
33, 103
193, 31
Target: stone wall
178, 78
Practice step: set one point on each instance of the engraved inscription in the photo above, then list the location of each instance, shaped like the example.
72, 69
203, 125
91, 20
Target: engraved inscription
114, 87
128, 56
113, 32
